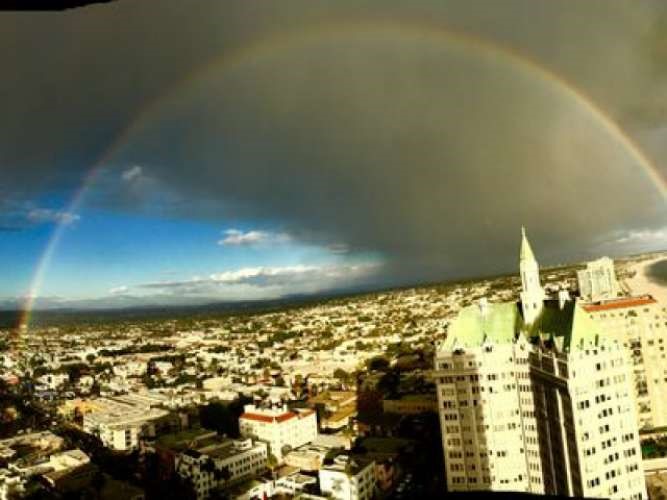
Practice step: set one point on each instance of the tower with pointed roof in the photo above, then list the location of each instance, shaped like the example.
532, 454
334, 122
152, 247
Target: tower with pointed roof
556, 390
532, 293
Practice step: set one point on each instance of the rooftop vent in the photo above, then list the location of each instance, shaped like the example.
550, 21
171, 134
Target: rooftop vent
563, 297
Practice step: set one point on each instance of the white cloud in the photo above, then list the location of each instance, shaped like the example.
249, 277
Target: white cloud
248, 283
268, 281
262, 274
644, 236
235, 237
621, 242
119, 290
131, 173
39, 215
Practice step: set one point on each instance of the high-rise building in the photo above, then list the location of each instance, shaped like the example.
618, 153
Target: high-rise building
598, 281
533, 398
640, 324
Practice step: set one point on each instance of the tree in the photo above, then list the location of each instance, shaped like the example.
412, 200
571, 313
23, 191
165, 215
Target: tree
216, 416
388, 383
378, 363
221, 417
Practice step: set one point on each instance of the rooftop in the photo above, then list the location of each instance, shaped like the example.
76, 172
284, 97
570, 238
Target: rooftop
502, 323
272, 415
621, 303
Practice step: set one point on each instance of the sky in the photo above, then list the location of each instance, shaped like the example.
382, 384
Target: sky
157, 153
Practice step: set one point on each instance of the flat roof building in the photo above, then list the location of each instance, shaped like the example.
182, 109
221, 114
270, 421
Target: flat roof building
281, 428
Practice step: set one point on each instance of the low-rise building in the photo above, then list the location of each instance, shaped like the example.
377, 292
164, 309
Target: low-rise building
293, 483
68, 471
348, 478
306, 458
226, 461
280, 428
52, 381
29, 447
119, 423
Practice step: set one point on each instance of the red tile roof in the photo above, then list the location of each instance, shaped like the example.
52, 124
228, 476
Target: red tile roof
620, 303
258, 417
285, 416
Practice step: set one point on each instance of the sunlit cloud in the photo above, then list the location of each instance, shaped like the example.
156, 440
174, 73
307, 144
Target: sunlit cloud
281, 279
236, 237
644, 236
41, 215
119, 290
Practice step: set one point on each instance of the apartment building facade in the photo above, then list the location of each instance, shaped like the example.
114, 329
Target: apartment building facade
598, 281
533, 398
640, 325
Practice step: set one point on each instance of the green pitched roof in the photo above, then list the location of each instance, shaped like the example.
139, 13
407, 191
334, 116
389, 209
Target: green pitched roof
471, 328
503, 322
571, 324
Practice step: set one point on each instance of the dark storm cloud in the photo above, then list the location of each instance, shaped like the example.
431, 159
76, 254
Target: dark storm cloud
430, 153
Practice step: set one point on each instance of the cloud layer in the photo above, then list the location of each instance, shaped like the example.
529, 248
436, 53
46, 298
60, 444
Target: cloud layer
353, 127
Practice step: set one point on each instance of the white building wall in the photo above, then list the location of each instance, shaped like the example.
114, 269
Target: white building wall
642, 329
588, 431
488, 427
344, 485
247, 462
293, 432
518, 418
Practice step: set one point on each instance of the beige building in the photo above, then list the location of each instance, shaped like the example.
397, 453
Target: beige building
533, 398
640, 324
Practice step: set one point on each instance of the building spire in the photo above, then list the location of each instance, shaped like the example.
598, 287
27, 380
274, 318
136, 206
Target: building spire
526, 250
532, 293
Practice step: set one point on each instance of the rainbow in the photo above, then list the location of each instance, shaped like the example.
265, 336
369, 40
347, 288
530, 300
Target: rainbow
279, 44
